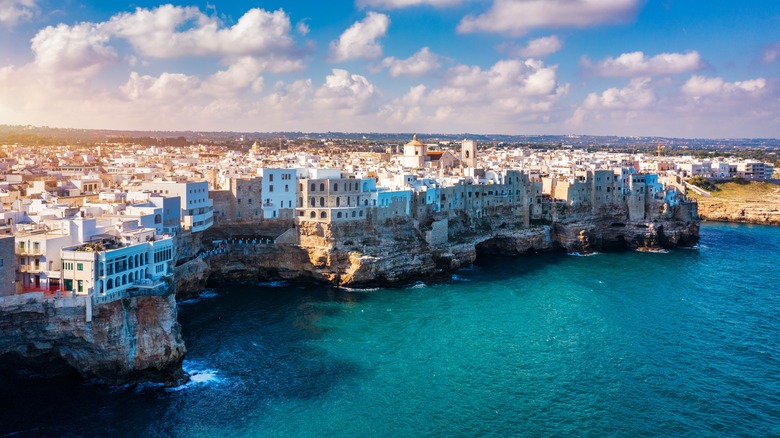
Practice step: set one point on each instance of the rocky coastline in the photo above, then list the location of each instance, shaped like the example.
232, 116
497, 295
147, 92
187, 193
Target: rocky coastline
739, 212
368, 255
139, 338
127, 341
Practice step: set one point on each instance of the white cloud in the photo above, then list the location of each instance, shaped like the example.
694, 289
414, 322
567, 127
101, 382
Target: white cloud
360, 39
14, 11
517, 17
637, 94
698, 87
509, 92
619, 104
302, 28
167, 87
771, 53
64, 49
422, 62
156, 33
700, 107
540, 47
396, 4
344, 91
637, 64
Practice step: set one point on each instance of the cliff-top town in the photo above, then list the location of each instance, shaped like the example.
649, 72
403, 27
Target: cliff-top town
102, 223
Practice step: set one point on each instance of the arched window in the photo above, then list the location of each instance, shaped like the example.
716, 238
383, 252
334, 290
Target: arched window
322, 187
338, 201
130, 261
335, 187
110, 284
468, 154
324, 215
130, 277
353, 213
124, 279
157, 219
313, 187
313, 215
300, 187
338, 215
361, 213
300, 202
313, 202
322, 201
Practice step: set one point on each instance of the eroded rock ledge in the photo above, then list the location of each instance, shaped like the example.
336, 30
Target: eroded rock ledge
397, 251
131, 340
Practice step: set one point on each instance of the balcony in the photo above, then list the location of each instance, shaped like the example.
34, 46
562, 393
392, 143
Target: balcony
29, 251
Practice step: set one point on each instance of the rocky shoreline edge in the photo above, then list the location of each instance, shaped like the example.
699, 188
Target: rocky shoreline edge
138, 339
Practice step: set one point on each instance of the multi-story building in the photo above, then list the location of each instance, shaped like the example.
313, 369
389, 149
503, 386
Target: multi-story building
110, 268
197, 212
7, 266
278, 192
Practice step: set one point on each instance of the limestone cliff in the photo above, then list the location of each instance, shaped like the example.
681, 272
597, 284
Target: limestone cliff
129, 340
712, 209
365, 253
755, 203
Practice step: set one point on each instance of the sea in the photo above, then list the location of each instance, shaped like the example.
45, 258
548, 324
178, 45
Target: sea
682, 342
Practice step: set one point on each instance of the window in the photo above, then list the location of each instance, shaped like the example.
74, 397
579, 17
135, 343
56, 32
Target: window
286, 187
79, 266
271, 177
271, 188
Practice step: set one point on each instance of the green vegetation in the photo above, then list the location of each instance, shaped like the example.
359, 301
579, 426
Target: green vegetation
745, 191
703, 183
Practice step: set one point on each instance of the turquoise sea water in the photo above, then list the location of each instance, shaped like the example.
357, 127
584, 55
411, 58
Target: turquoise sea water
685, 342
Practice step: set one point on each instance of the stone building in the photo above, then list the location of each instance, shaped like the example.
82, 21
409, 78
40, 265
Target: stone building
7, 266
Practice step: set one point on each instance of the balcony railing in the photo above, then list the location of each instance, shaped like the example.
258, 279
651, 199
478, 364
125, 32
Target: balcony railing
28, 251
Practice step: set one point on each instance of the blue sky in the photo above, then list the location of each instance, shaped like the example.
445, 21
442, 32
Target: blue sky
684, 68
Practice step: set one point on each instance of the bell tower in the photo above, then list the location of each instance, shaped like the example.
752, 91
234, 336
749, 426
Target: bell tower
468, 153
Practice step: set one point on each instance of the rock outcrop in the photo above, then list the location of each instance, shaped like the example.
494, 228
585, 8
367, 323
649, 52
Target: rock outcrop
713, 209
129, 340
361, 253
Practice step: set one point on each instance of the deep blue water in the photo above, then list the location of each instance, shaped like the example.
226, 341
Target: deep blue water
685, 342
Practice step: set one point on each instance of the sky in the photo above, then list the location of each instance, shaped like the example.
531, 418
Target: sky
670, 68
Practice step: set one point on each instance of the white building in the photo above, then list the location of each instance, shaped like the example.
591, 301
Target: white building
197, 210
278, 192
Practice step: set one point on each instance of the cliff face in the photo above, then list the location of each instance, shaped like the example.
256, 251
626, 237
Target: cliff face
130, 340
363, 253
747, 212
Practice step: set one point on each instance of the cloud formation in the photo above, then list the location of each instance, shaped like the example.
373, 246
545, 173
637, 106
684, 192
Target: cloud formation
14, 11
771, 53
173, 32
701, 87
541, 47
509, 91
397, 4
517, 17
422, 62
360, 39
637, 64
